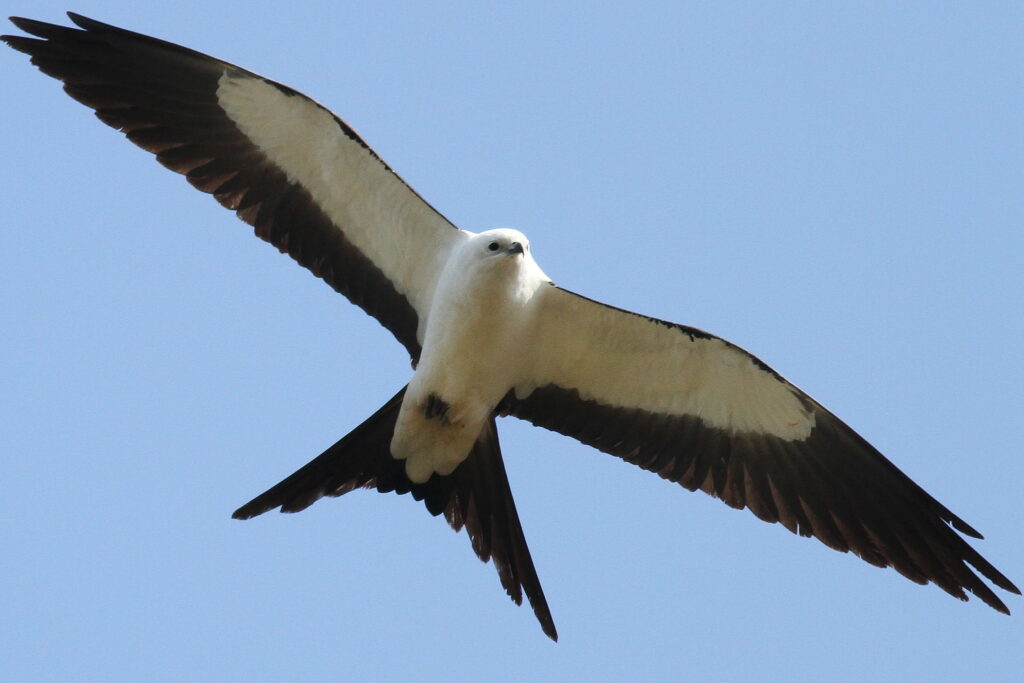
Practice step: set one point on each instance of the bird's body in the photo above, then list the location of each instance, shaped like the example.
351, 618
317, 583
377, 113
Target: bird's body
476, 342
489, 334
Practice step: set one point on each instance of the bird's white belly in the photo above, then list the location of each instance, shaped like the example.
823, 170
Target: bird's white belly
471, 358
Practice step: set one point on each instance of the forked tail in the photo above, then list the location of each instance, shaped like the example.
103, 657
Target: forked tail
475, 496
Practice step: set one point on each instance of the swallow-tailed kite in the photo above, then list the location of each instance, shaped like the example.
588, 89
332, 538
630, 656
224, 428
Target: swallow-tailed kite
491, 335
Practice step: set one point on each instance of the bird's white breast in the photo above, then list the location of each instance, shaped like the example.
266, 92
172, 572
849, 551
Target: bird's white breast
474, 350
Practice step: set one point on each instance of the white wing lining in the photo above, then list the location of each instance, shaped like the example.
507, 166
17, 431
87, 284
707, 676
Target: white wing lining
626, 360
379, 214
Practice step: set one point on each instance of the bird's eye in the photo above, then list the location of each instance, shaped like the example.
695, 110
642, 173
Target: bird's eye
493, 246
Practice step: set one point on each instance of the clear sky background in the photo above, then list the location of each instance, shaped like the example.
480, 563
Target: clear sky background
838, 189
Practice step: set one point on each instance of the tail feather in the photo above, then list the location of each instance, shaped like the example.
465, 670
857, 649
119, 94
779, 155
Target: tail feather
476, 496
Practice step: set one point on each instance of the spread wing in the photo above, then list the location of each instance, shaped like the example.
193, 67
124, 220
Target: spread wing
297, 173
706, 414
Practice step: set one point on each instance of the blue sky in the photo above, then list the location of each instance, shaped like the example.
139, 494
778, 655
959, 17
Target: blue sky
838, 189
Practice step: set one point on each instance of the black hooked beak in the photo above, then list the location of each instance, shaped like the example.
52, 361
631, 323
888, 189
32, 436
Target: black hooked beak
515, 248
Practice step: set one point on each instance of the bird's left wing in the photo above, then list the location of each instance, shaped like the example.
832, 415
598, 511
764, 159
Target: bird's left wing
702, 412
297, 173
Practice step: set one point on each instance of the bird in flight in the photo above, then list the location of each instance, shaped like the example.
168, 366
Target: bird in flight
490, 335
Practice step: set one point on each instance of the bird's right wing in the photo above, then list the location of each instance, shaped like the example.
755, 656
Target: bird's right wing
706, 414
286, 165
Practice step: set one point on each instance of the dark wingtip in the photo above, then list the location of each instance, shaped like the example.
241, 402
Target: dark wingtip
1006, 584
965, 528
998, 606
242, 513
249, 510
87, 23
24, 23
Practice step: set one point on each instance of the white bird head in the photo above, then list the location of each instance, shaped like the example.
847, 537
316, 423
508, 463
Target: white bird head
500, 242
